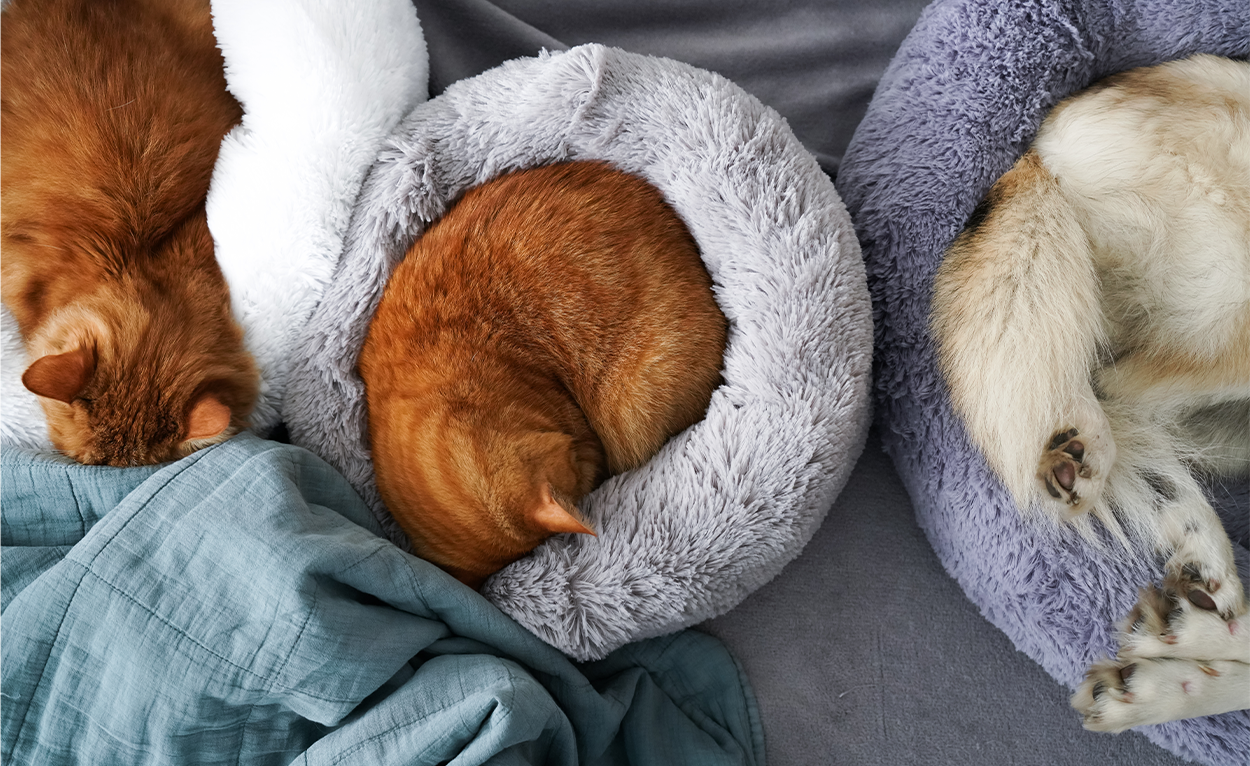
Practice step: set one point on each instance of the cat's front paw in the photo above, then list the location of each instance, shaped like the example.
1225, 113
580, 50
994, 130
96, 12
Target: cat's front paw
1104, 699
1179, 658
1124, 693
1168, 622
1207, 586
1073, 467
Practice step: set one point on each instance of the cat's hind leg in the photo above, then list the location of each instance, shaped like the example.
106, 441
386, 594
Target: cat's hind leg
1152, 493
1018, 321
652, 394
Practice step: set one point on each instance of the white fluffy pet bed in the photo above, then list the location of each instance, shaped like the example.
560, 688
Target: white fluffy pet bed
725, 504
322, 83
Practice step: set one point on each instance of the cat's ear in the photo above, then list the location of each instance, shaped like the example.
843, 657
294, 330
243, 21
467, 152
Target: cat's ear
61, 376
207, 418
550, 515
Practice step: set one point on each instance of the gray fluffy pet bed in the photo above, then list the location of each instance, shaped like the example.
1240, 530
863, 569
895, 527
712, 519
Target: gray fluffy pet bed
727, 503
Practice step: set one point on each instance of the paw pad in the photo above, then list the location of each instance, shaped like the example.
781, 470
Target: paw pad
1063, 462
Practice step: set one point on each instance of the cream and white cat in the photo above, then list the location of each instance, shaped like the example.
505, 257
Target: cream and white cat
1093, 324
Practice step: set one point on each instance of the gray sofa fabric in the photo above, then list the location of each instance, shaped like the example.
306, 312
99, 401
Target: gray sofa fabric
817, 63
863, 651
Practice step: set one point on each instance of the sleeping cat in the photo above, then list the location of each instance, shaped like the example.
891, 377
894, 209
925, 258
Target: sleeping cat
113, 111
1093, 324
554, 327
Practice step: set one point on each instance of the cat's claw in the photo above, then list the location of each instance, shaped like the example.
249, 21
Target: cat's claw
1104, 694
1152, 627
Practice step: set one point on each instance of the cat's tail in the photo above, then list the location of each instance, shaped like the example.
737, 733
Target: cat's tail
1018, 322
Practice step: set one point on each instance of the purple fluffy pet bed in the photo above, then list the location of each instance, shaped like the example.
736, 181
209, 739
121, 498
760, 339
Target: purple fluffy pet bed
958, 105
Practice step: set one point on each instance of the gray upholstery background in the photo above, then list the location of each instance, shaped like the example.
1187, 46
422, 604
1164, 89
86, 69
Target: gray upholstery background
863, 650
817, 63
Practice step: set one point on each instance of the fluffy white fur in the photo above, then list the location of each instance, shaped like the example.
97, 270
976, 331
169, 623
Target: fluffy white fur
1176, 661
321, 84
1094, 330
21, 418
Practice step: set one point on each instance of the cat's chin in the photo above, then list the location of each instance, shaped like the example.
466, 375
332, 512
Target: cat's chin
72, 441
195, 445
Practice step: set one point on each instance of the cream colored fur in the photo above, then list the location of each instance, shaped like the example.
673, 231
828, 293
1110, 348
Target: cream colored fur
1093, 324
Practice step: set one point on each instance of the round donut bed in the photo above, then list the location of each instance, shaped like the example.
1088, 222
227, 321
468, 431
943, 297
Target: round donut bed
957, 106
728, 502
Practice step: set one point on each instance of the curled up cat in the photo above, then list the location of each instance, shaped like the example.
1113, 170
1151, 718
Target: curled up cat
554, 327
1093, 328
113, 112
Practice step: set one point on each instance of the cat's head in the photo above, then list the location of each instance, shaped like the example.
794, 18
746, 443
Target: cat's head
135, 385
473, 501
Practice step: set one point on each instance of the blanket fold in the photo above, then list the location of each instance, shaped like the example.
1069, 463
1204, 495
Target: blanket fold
240, 606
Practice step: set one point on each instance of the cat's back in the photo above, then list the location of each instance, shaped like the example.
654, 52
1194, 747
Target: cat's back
571, 259
575, 273
112, 115
120, 77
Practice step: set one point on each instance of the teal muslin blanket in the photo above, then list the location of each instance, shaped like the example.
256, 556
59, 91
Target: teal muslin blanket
240, 606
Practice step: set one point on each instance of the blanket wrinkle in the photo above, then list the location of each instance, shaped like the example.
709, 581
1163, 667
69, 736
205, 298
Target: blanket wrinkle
243, 607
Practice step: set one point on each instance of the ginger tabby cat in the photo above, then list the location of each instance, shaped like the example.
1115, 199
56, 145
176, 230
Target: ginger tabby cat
556, 326
113, 112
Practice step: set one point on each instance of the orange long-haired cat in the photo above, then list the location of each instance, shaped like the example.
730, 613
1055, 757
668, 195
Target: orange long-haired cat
555, 326
113, 112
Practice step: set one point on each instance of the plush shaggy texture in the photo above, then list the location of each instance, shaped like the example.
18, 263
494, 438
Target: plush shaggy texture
726, 503
322, 84
960, 102
21, 418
